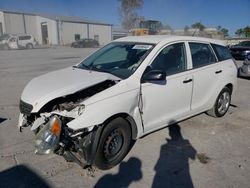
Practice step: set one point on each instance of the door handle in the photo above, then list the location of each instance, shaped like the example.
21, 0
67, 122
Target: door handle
188, 80
218, 71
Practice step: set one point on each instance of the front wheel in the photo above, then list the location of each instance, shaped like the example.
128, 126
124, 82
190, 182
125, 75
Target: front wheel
222, 103
29, 46
6, 47
114, 144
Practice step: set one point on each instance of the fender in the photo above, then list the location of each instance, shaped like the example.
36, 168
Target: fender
97, 113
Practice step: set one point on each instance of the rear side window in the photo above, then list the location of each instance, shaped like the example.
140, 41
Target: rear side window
201, 54
222, 52
24, 37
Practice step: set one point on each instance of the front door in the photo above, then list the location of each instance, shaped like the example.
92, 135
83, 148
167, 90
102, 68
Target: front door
12, 43
166, 102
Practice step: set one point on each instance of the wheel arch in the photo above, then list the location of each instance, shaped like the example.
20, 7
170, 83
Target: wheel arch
230, 86
129, 119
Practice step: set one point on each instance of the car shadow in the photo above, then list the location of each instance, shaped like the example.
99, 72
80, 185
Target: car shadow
129, 172
21, 176
172, 168
244, 78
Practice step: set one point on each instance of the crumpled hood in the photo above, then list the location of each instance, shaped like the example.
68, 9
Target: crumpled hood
45, 88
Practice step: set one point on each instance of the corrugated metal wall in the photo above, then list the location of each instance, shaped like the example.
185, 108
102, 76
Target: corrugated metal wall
68, 31
104, 33
14, 23
2, 22
30, 23
58, 32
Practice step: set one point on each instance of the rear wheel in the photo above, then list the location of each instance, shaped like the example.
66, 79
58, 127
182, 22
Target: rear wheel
114, 144
222, 103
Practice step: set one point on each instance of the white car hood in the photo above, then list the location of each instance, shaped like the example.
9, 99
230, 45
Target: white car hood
45, 88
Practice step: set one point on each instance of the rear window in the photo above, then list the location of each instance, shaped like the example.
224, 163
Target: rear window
24, 37
222, 52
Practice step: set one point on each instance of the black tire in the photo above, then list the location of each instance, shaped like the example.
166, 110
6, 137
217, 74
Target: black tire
29, 46
222, 103
114, 144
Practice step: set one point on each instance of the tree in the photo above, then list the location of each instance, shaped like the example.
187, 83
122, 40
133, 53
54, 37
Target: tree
219, 28
128, 13
239, 32
246, 31
198, 25
243, 32
223, 30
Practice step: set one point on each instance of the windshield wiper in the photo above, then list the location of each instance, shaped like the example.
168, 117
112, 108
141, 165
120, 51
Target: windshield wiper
82, 66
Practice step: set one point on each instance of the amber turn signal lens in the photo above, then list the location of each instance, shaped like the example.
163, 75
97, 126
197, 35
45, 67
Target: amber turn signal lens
56, 128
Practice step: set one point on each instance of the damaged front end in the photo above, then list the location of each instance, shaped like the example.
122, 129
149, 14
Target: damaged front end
75, 146
52, 135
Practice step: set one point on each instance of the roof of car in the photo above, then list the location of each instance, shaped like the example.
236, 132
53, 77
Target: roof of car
154, 39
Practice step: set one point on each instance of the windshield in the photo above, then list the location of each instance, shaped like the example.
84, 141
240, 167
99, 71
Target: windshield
118, 58
4, 37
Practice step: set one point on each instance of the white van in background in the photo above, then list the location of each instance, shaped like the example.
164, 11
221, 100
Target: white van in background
24, 41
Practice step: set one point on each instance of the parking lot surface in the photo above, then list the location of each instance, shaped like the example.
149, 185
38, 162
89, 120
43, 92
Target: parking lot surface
199, 152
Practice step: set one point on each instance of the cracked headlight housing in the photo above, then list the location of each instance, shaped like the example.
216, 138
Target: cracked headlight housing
47, 139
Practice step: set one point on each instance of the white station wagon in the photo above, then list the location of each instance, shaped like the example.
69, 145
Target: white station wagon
91, 112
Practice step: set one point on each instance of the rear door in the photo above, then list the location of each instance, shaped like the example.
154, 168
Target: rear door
206, 73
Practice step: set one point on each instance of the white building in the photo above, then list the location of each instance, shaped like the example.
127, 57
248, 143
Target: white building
49, 29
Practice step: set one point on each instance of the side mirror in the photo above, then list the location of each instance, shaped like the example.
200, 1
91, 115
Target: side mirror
154, 75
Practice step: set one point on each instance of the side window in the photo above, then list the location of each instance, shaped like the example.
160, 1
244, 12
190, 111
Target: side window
172, 59
12, 39
201, 54
222, 52
24, 37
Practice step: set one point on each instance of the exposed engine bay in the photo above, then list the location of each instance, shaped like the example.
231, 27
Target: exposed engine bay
52, 133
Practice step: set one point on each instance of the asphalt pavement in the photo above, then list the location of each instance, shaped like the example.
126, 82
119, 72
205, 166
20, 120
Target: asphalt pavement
199, 152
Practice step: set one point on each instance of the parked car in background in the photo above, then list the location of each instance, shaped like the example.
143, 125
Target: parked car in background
241, 50
84, 43
92, 113
25, 41
244, 70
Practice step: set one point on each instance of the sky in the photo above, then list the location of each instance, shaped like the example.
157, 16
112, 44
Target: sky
231, 14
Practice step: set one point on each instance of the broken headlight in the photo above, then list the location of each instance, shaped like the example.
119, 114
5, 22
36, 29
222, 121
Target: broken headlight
47, 139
